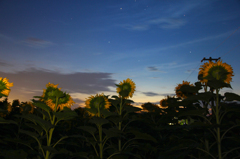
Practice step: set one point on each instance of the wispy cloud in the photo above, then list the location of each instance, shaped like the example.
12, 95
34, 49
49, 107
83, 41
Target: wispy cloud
172, 17
154, 69
151, 94
5, 64
190, 71
37, 43
168, 23
5, 37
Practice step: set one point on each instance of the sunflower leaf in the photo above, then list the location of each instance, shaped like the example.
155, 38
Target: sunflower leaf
144, 136
206, 96
116, 97
115, 103
10, 154
218, 84
231, 96
41, 105
199, 112
50, 149
66, 114
35, 119
89, 129
106, 113
4, 121
32, 134
131, 109
98, 121
36, 127
112, 132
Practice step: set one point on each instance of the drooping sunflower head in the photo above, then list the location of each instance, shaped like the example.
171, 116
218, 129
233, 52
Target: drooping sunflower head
126, 88
218, 71
180, 93
6, 106
28, 106
163, 103
4, 87
52, 93
95, 104
201, 70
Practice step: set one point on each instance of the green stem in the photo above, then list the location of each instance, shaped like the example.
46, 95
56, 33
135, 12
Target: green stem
119, 127
100, 144
100, 136
49, 138
218, 128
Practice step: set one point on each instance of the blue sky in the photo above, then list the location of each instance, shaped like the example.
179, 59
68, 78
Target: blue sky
89, 46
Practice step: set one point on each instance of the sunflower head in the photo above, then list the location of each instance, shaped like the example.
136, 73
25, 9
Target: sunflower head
218, 71
28, 106
7, 107
126, 88
201, 70
163, 103
183, 94
52, 93
150, 107
4, 87
94, 104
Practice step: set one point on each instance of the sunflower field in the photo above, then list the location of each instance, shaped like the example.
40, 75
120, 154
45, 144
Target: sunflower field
198, 122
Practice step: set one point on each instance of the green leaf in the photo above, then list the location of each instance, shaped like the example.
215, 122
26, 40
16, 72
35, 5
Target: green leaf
218, 84
4, 121
114, 102
188, 89
115, 119
66, 114
32, 134
144, 136
44, 113
107, 113
41, 105
115, 97
231, 96
14, 154
36, 127
112, 132
98, 121
89, 129
81, 154
16, 140
206, 96
128, 101
131, 109
44, 124
50, 149
92, 110
199, 112
37, 97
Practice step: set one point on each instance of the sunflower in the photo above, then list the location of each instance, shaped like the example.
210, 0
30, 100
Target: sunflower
4, 87
201, 70
51, 93
25, 104
9, 109
180, 93
96, 103
218, 71
163, 103
126, 88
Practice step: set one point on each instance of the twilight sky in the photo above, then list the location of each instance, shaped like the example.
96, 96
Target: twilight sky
89, 46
